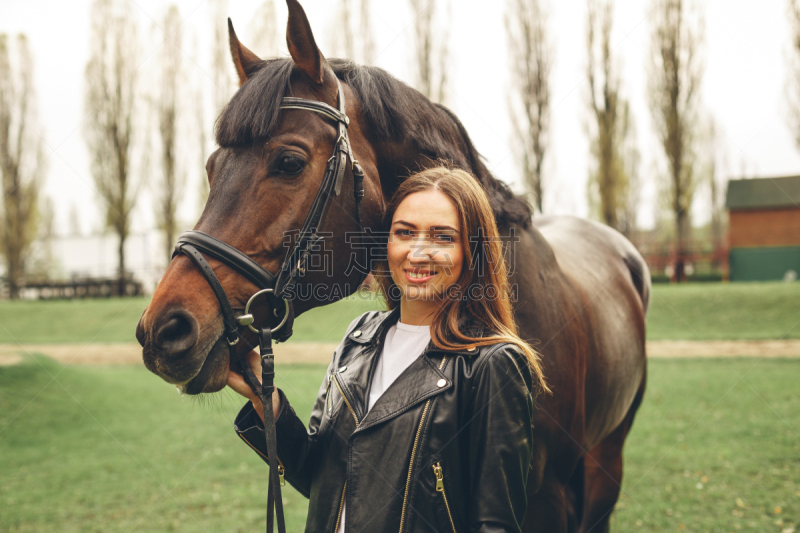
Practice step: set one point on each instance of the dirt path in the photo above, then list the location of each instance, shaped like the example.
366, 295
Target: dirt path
772, 348
312, 352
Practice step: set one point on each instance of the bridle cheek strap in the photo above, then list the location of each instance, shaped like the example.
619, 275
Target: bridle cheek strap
296, 260
192, 243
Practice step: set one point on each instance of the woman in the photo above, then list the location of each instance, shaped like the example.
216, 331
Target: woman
424, 419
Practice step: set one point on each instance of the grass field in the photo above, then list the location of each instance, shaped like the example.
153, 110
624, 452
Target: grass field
700, 311
730, 311
114, 320
716, 445
113, 449
715, 448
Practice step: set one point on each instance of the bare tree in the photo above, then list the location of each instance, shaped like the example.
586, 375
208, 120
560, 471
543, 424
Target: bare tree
202, 142
717, 181
21, 156
351, 36
632, 159
42, 262
365, 32
221, 66
674, 77
264, 30
431, 50
168, 188
610, 118
342, 37
793, 84
196, 84
110, 100
531, 62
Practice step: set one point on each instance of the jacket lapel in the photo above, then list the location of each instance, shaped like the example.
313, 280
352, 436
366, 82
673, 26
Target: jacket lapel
358, 361
420, 381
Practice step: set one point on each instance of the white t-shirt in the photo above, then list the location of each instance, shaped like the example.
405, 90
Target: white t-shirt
401, 347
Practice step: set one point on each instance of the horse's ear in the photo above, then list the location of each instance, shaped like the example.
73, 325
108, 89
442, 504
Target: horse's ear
245, 61
302, 46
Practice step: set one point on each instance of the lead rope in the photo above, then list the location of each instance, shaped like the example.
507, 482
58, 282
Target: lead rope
274, 499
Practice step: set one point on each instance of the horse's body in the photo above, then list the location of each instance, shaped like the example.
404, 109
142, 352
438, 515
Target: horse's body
582, 288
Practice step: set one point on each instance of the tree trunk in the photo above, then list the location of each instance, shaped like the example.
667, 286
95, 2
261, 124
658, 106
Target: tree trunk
121, 259
681, 219
13, 280
170, 244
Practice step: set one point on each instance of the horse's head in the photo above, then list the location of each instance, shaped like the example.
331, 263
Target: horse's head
263, 179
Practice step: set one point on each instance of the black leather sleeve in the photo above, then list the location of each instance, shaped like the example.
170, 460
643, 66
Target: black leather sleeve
296, 445
501, 441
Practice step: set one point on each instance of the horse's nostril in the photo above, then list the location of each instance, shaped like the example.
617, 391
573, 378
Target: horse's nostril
178, 333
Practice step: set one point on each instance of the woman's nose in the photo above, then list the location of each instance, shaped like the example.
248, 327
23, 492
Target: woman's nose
422, 251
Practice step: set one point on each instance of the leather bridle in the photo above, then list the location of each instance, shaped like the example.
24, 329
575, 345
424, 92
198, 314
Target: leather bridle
194, 244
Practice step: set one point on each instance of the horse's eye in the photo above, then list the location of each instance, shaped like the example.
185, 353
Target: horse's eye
290, 165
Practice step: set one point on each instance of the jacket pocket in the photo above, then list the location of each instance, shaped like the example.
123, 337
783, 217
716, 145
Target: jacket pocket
438, 471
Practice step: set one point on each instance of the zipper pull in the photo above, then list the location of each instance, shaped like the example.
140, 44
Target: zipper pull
437, 470
328, 395
281, 473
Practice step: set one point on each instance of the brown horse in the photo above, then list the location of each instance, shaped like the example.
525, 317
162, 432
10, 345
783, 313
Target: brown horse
583, 289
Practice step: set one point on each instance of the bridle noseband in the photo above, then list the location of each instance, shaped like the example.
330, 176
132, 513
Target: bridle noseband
194, 244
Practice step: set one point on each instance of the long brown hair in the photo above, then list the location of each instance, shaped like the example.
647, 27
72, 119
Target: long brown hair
484, 267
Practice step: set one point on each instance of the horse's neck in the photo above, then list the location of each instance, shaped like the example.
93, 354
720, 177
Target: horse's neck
436, 136
397, 161
440, 137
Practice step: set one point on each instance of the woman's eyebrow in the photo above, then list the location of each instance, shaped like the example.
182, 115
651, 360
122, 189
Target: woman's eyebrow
437, 228
432, 228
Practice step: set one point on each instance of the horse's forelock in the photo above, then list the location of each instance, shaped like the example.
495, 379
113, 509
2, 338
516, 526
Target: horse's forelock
251, 113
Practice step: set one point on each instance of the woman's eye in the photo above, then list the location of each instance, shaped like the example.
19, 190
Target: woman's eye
446, 237
290, 165
403, 233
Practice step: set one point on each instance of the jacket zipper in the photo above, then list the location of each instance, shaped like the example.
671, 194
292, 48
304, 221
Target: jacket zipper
336, 380
437, 470
341, 506
414, 453
344, 489
328, 395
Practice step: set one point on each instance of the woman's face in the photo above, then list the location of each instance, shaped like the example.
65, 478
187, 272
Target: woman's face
425, 252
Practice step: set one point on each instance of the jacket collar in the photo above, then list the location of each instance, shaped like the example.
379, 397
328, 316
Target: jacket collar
423, 379
373, 331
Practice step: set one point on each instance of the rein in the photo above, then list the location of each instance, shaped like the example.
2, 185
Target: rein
194, 244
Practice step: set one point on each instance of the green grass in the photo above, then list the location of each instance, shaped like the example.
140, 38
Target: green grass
731, 311
695, 311
116, 449
64, 321
715, 447
114, 320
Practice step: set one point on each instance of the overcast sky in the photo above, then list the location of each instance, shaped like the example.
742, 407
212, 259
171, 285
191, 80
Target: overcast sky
744, 52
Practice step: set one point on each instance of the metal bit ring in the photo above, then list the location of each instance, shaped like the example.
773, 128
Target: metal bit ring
259, 293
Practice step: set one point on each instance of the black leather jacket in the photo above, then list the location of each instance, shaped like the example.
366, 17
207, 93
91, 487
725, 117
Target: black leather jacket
447, 447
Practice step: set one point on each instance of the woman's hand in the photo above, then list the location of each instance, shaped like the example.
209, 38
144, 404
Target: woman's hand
237, 383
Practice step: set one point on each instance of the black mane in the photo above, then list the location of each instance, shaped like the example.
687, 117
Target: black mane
393, 110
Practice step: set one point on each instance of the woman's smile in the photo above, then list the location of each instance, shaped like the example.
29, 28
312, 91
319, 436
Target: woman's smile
419, 276
425, 253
